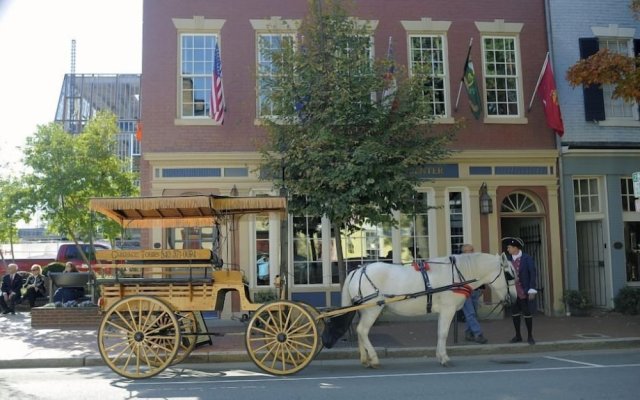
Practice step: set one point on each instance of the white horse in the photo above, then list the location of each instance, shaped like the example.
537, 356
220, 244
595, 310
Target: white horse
376, 282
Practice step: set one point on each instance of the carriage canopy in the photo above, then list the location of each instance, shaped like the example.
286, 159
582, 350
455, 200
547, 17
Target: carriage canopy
181, 211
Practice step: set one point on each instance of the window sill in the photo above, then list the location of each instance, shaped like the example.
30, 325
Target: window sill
195, 122
444, 120
506, 120
620, 123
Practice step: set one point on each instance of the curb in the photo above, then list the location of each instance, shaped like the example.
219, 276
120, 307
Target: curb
352, 353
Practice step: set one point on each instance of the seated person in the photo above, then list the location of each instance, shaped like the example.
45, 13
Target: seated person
65, 294
34, 285
11, 285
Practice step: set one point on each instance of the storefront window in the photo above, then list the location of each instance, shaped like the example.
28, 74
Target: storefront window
262, 251
414, 234
307, 250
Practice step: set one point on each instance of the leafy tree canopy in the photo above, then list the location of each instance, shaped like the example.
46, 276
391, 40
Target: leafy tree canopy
67, 170
605, 67
347, 140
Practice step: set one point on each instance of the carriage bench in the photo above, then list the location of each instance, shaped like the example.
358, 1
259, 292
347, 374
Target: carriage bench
62, 279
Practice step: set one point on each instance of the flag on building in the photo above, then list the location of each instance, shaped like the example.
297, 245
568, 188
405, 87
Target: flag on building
217, 93
549, 96
390, 87
139, 132
471, 85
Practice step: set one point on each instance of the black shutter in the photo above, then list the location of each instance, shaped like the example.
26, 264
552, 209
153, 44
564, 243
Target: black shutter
593, 97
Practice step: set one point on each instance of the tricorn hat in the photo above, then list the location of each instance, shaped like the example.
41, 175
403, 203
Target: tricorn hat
513, 241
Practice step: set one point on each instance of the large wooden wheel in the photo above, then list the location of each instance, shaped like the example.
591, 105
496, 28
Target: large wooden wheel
282, 337
139, 337
188, 328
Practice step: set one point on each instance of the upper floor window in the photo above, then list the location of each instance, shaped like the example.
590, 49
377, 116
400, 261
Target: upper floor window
268, 45
196, 67
598, 103
586, 195
429, 50
501, 76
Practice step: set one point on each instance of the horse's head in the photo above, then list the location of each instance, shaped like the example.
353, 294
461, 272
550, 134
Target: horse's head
498, 277
509, 273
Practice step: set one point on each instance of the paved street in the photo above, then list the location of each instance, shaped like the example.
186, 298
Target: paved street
544, 376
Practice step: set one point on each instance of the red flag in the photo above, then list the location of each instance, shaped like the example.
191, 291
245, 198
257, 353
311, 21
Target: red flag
549, 96
139, 132
217, 94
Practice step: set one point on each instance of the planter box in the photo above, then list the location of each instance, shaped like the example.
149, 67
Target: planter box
65, 318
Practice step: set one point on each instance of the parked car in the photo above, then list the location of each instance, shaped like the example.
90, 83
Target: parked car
66, 252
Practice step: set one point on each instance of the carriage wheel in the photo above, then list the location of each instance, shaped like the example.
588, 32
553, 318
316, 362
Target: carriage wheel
282, 337
188, 326
319, 323
138, 337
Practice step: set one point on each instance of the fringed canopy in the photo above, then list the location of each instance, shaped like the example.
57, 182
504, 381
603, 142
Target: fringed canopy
181, 211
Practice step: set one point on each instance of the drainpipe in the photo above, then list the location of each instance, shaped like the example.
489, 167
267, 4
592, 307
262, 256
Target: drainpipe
565, 269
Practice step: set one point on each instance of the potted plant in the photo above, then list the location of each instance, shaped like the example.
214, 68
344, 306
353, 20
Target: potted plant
577, 302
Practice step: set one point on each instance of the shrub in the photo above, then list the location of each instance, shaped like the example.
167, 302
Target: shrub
576, 299
628, 301
53, 267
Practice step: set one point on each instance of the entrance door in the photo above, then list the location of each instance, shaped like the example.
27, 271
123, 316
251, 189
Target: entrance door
591, 265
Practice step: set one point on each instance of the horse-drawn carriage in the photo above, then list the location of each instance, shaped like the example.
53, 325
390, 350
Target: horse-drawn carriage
151, 299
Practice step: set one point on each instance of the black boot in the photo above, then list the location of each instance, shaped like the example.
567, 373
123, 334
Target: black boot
528, 321
516, 324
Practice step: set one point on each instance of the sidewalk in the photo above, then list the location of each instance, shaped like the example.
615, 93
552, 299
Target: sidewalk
24, 347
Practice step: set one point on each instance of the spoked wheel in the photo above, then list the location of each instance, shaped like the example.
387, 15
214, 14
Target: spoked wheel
319, 323
139, 336
188, 327
282, 337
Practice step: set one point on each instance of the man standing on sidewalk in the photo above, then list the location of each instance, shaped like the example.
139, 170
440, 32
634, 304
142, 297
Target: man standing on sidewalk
525, 288
473, 333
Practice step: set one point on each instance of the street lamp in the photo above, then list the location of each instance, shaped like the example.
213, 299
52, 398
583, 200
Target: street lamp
486, 204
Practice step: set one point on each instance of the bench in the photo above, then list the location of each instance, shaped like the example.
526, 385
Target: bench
68, 279
155, 266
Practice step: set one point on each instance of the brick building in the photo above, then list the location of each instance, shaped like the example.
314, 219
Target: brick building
509, 147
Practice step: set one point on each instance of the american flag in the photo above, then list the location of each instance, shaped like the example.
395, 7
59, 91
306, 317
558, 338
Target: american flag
217, 93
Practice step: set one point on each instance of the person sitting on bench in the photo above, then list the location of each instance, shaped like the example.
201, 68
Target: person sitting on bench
65, 294
34, 285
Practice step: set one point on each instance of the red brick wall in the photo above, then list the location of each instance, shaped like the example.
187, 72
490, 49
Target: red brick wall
65, 318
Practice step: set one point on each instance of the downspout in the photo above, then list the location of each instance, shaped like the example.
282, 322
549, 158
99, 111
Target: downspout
563, 221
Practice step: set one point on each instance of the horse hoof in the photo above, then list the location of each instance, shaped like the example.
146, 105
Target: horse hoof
374, 366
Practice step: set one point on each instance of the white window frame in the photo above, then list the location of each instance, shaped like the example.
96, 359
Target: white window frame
501, 29
614, 32
466, 215
430, 28
198, 25
589, 215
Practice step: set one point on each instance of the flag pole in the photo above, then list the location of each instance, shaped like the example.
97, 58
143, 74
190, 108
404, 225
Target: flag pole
464, 71
546, 61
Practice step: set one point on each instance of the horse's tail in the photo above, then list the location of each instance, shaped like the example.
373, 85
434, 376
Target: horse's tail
346, 296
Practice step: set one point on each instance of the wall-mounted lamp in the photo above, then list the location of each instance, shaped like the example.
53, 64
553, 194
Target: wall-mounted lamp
486, 204
234, 191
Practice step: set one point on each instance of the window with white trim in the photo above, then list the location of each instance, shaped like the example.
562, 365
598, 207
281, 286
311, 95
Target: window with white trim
456, 222
263, 263
501, 76
414, 233
617, 108
307, 250
196, 66
586, 195
268, 45
429, 50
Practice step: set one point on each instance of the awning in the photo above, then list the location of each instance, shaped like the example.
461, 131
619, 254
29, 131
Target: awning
181, 211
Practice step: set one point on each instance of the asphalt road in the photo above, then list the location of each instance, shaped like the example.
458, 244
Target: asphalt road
550, 376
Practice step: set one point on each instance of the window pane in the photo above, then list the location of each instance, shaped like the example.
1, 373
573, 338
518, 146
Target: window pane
501, 73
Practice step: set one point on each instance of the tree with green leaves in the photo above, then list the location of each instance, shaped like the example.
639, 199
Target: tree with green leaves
14, 207
606, 67
67, 170
347, 138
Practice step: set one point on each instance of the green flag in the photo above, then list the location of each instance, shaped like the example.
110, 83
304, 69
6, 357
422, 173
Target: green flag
471, 85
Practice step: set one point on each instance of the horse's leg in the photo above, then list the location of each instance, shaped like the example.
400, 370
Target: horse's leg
368, 355
444, 322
